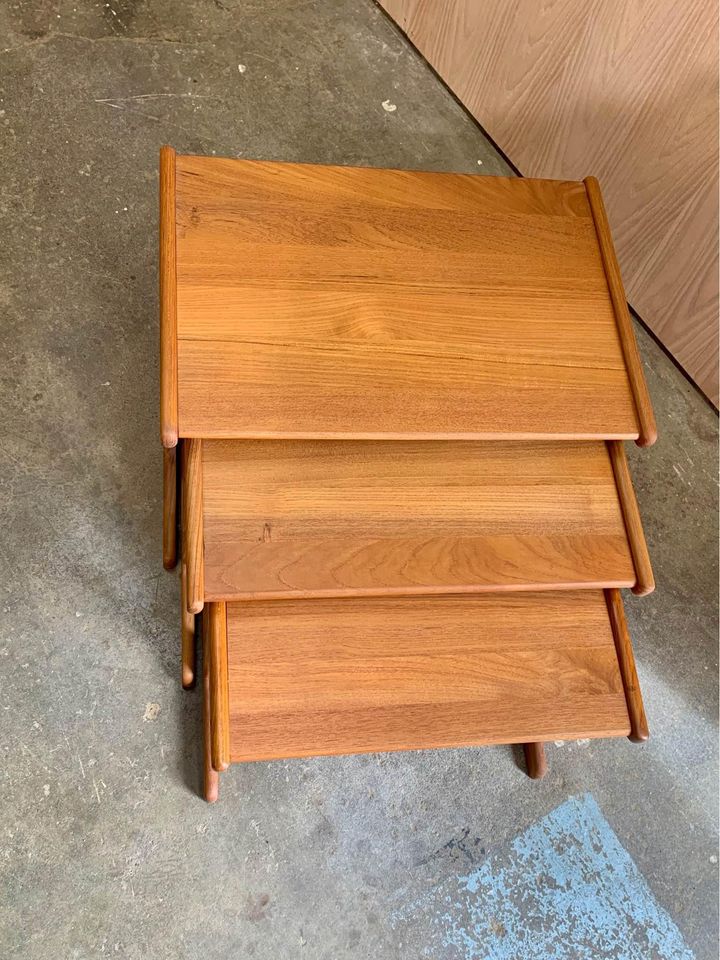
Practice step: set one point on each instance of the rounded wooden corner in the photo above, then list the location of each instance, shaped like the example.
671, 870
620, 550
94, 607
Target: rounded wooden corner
648, 438
196, 606
639, 736
168, 437
643, 589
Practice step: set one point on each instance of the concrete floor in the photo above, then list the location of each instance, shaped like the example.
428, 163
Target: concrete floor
106, 848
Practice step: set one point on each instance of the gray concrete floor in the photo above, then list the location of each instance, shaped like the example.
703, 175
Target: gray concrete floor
106, 848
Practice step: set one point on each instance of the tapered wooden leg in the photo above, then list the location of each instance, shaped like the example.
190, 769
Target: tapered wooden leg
169, 507
192, 523
626, 661
535, 760
187, 633
211, 776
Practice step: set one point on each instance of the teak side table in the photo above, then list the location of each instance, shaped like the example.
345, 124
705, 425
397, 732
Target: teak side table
400, 401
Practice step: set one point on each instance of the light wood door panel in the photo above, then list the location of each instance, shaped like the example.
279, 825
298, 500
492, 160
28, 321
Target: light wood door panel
313, 677
626, 91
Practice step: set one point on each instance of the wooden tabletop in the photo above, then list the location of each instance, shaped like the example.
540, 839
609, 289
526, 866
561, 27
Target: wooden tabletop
333, 302
308, 518
350, 676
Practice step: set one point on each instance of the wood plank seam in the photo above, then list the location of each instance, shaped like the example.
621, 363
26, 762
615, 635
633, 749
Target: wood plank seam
639, 731
645, 581
168, 301
641, 397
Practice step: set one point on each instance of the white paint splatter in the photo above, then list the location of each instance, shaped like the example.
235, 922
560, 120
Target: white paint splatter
151, 712
480, 163
241, 68
389, 107
46, 789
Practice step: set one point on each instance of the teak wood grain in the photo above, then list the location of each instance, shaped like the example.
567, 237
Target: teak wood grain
216, 624
170, 480
535, 760
211, 778
643, 407
335, 302
350, 676
187, 633
168, 301
192, 532
644, 579
639, 731
343, 518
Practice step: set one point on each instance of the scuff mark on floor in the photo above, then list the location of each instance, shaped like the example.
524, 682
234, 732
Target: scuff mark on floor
565, 889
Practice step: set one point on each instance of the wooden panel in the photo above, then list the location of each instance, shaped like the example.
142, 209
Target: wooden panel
627, 91
350, 676
314, 518
334, 302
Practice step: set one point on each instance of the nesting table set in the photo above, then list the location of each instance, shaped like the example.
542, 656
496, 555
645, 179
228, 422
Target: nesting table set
393, 407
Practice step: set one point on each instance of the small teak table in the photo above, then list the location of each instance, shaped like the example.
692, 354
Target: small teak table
399, 400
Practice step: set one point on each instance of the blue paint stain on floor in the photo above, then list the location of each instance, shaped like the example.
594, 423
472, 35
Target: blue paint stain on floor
565, 889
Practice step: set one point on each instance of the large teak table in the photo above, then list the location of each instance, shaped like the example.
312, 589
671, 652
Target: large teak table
406, 512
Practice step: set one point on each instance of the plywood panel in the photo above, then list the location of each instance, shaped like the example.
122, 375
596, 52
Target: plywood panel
323, 301
339, 518
348, 676
625, 91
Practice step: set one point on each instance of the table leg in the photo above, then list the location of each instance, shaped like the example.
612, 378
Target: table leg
535, 760
187, 633
211, 776
169, 507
